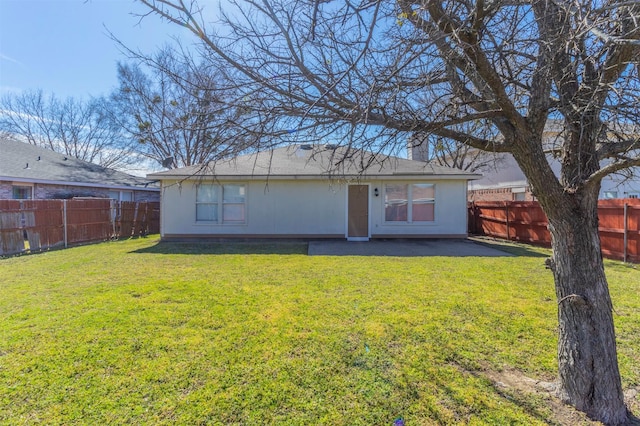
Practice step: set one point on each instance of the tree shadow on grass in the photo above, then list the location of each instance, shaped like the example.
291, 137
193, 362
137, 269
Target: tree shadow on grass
225, 248
516, 249
396, 248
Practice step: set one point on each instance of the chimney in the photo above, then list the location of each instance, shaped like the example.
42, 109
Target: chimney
418, 147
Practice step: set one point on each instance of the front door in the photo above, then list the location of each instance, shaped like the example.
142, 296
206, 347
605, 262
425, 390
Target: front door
358, 212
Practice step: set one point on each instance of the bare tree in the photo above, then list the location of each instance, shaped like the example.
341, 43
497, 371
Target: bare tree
379, 69
80, 129
179, 113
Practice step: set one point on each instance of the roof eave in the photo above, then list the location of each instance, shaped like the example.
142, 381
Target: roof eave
394, 176
82, 184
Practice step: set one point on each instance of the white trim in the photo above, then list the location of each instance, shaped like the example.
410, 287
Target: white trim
346, 220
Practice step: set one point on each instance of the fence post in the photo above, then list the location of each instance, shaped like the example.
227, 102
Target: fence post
506, 212
23, 229
626, 233
471, 229
114, 213
64, 222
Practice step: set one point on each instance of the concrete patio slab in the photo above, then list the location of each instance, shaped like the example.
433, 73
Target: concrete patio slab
403, 248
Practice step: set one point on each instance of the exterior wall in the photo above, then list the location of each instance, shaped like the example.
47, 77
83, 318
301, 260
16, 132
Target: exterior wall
146, 196
450, 212
46, 191
278, 208
308, 209
63, 191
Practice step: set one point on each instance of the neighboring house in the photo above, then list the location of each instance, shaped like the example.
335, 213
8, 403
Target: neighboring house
31, 172
305, 191
506, 182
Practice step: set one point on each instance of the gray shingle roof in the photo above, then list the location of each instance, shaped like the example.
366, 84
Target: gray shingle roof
314, 162
29, 163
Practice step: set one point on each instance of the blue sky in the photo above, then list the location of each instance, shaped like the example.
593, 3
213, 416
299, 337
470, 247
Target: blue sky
63, 47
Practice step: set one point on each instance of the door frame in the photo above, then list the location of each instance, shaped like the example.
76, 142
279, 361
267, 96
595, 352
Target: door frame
346, 219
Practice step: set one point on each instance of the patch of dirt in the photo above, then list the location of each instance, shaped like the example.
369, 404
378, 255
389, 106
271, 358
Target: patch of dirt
513, 381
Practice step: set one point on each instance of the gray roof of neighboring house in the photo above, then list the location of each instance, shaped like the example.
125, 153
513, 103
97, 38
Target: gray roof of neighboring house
23, 162
314, 161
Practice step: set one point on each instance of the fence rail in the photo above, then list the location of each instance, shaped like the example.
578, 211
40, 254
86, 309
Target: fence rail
524, 221
36, 225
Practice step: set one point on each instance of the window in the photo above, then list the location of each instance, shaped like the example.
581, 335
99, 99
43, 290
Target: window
422, 202
126, 195
233, 203
121, 195
409, 203
220, 201
395, 203
518, 193
610, 194
22, 192
207, 203
518, 196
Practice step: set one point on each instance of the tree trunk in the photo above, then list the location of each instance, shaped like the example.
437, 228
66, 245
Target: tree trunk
587, 359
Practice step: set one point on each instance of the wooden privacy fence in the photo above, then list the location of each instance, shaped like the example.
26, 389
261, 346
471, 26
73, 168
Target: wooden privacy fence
524, 221
35, 225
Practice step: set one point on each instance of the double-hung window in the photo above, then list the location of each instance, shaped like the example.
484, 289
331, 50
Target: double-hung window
409, 203
220, 203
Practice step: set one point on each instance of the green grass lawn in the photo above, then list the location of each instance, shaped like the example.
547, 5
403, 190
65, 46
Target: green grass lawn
146, 333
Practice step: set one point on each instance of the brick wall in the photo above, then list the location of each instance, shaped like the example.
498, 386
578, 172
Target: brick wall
41, 191
6, 192
499, 194
146, 196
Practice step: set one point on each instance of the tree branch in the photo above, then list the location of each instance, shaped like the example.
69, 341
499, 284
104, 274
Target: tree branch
612, 149
624, 163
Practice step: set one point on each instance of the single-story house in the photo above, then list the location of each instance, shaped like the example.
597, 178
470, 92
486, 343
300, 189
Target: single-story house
30, 172
309, 192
